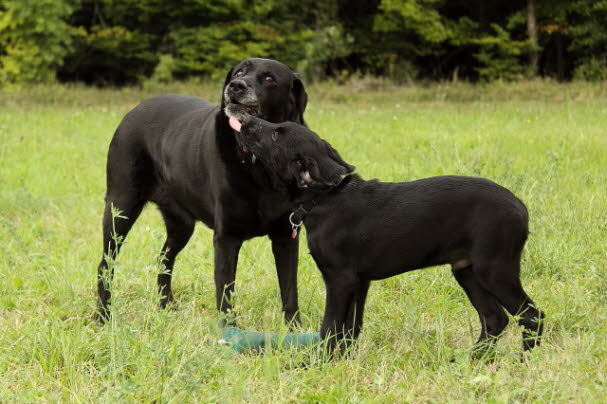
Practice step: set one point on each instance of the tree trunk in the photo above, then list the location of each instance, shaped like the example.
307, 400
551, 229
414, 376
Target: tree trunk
534, 55
560, 58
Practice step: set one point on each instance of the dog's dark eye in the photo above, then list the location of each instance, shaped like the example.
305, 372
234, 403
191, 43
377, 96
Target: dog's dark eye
298, 163
268, 78
239, 73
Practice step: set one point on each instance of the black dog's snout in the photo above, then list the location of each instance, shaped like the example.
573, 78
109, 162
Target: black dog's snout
251, 126
237, 86
247, 120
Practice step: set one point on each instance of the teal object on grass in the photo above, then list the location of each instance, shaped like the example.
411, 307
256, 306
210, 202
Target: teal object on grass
250, 341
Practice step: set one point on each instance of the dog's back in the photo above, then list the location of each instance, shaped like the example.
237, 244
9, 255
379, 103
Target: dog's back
135, 156
146, 124
389, 228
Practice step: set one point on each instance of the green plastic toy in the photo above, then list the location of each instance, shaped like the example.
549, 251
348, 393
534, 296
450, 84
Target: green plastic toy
249, 341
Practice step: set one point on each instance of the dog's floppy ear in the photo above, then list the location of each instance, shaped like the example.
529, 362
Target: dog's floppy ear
298, 100
329, 169
337, 158
225, 83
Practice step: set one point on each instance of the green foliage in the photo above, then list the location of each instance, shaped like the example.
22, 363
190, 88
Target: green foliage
463, 31
592, 69
589, 39
292, 47
112, 54
417, 16
150, 16
163, 72
119, 41
34, 39
499, 56
404, 31
325, 47
414, 33
214, 49
402, 70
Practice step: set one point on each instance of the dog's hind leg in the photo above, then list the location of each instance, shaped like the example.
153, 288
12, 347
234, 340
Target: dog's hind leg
501, 279
492, 317
179, 228
119, 216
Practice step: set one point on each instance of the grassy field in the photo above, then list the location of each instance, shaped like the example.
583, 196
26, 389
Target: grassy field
544, 141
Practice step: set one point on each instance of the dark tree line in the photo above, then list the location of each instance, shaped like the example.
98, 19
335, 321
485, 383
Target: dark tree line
128, 41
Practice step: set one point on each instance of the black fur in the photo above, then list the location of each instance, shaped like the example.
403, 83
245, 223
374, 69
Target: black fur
180, 153
359, 231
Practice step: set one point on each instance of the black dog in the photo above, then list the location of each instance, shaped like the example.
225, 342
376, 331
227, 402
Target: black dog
179, 152
360, 231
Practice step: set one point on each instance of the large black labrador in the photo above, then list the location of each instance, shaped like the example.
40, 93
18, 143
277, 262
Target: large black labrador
180, 153
359, 231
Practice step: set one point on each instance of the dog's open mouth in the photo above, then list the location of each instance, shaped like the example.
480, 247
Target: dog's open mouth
235, 123
249, 107
241, 103
239, 108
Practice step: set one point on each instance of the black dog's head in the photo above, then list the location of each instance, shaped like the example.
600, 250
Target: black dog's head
293, 154
264, 88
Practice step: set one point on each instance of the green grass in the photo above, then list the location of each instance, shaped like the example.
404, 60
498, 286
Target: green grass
544, 141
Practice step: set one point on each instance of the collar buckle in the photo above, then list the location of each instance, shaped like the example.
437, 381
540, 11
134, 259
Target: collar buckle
297, 216
294, 226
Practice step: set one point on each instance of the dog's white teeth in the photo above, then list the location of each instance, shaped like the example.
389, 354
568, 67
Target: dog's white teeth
253, 158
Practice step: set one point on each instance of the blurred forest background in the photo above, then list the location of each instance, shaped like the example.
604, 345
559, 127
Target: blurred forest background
119, 42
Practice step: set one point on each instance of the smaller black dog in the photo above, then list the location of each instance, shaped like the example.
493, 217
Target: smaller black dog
360, 231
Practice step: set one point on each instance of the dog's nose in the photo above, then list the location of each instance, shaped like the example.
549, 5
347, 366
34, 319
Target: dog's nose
237, 86
251, 126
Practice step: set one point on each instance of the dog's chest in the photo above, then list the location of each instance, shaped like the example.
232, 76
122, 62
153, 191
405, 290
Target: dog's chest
252, 217
271, 207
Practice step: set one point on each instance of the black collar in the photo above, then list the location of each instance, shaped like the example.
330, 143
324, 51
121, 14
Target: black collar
300, 213
297, 216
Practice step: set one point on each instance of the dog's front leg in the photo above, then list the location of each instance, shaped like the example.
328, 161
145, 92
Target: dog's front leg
286, 251
354, 318
226, 260
335, 329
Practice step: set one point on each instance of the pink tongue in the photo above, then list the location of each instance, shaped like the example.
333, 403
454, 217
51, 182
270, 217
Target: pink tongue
234, 124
